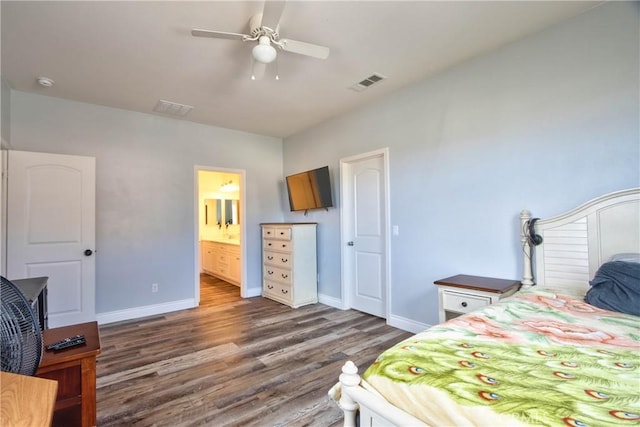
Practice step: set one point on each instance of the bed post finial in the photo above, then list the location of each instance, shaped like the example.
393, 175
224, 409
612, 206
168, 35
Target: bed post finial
349, 378
527, 275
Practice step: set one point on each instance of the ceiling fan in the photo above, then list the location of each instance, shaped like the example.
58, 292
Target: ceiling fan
263, 29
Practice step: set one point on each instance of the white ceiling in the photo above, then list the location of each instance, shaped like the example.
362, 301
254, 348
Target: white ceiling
131, 54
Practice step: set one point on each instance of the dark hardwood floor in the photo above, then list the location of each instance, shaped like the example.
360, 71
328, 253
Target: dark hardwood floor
232, 362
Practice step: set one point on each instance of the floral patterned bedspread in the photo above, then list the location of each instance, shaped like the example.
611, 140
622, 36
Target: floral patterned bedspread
536, 358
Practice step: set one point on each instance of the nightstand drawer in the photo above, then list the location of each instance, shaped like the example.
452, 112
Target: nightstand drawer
462, 303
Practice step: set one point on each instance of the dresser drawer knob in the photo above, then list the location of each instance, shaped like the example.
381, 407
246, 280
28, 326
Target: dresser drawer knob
464, 303
284, 259
270, 286
269, 272
284, 276
284, 291
270, 258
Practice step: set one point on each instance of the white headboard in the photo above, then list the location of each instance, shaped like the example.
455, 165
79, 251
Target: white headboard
577, 242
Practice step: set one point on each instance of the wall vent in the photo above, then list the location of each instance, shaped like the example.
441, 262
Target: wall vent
172, 108
368, 82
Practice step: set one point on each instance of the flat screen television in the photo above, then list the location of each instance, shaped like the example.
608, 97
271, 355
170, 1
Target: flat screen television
310, 190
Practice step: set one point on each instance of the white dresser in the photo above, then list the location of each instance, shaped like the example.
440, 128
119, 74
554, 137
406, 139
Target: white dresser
289, 267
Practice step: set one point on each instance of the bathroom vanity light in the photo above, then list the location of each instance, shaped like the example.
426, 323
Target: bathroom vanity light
229, 187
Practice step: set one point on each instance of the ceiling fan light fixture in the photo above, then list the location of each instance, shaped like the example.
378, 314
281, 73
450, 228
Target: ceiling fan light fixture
264, 52
264, 28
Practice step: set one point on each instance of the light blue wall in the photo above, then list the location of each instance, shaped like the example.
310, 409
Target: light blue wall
145, 190
545, 123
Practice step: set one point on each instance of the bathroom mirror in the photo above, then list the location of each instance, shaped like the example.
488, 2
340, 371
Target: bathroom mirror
212, 211
221, 211
231, 212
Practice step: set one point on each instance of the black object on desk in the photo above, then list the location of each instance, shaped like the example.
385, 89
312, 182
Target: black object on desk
35, 290
67, 342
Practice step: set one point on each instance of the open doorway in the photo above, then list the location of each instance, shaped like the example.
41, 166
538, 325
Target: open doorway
219, 228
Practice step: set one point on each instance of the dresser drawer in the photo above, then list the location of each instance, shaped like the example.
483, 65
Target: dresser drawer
280, 233
283, 233
278, 290
277, 245
278, 259
462, 303
280, 275
268, 232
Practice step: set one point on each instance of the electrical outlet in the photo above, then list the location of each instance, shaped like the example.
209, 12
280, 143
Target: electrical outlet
154, 287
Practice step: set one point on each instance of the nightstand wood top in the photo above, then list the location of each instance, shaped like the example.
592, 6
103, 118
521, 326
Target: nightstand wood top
478, 283
90, 349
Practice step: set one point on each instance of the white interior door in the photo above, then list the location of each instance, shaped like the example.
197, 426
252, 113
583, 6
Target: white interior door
51, 230
365, 234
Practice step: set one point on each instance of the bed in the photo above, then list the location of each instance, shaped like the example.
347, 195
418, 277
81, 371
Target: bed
563, 351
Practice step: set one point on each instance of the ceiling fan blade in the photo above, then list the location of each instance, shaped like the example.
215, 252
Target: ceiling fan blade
258, 70
302, 48
217, 34
271, 13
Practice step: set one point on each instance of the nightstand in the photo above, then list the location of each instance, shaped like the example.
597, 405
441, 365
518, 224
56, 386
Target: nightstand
75, 370
462, 294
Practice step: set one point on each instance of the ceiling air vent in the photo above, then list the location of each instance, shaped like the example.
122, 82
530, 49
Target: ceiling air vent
368, 82
172, 108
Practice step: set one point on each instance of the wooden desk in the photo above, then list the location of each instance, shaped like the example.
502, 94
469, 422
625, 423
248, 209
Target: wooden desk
26, 401
75, 370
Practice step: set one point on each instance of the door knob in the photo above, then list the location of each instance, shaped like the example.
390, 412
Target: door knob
349, 243
88, 252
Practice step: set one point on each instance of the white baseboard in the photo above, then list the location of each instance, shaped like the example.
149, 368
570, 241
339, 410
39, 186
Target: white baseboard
153, 310
406, 324
145, 311
330, 301
252, 292
395, 321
